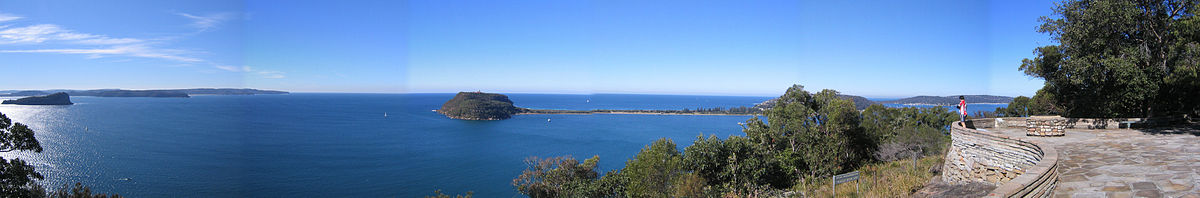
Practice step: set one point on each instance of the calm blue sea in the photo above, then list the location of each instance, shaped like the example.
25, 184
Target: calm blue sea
337, 145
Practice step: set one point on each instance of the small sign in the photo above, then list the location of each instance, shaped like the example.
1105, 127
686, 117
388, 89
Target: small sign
843, 178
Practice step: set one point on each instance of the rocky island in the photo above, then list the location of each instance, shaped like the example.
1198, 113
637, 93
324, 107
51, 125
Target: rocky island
60, 98
479, 106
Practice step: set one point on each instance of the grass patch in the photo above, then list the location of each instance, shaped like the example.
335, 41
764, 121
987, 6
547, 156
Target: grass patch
888, 179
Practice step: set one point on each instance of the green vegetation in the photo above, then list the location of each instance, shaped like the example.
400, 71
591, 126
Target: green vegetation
860, 102
805, 138
479, 106
903, 133
1117, 58
18, 178
888, 179
1023, 106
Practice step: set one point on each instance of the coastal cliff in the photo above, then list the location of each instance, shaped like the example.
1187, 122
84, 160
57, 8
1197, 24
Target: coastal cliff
479, 106
60, 98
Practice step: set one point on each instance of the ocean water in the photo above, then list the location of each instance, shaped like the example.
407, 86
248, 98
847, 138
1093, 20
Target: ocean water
338, 145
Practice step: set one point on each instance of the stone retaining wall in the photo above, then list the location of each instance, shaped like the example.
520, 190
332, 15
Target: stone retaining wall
1071, 123
1045, 127
1020, 168
1009, 122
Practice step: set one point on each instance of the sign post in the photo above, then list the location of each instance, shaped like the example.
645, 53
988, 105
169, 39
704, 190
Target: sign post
843, 178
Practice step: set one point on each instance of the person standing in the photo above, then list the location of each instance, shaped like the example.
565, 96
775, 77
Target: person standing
962, 110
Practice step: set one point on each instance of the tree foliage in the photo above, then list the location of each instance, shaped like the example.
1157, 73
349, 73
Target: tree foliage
900, 132
804, 136
1022, 106
80, 191
18, 178
557, 177
808, 133
1120, 58
654, 169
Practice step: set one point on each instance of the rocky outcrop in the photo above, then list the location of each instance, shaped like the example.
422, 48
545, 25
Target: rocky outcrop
59, 98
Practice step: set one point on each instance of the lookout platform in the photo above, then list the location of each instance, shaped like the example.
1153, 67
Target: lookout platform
1156, 162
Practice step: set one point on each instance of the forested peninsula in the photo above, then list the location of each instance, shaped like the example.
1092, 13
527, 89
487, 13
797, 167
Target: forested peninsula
59, 98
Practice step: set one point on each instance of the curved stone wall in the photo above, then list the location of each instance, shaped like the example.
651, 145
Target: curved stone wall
1019, 167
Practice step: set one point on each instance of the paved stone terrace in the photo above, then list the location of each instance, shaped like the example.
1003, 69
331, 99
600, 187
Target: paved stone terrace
1124, 162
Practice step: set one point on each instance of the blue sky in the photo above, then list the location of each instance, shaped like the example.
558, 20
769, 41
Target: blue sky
875, 49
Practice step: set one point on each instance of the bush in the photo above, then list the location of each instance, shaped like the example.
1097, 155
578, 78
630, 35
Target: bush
557, 177
653, 170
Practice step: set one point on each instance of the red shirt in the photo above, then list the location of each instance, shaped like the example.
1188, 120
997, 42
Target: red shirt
962, 106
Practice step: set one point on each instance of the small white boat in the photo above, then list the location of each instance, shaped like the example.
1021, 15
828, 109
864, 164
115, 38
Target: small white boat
547, 119
385, 114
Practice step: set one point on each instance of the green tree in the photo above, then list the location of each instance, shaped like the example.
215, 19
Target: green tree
809, 134
558, 177
652, 172
80, 191
736, 164
17, 178
1120, 58
900, 132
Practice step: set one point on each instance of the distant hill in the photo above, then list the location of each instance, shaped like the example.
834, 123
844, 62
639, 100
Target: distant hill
60, 98
227, 91
860, 102
183, 93
950, 100
140, 93
479, 106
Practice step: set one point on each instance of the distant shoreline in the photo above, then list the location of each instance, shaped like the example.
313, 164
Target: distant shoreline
633, 113
986, 103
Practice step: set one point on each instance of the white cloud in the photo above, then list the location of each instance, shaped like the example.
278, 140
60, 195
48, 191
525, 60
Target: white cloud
228, 68
271, 74
125, 50
8, 17
91, 45
247, 69
29, 34
54, 39
49, 32
206, 22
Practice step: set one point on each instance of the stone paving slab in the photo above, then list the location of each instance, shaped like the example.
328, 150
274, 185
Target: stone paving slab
1124, 162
